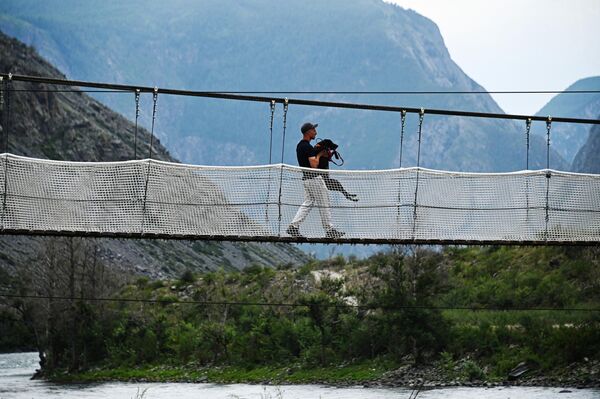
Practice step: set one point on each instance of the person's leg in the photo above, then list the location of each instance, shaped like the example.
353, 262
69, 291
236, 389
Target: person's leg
321, 195
319, 191
306, 206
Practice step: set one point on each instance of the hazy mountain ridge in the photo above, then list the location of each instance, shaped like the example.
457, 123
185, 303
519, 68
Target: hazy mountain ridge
74, 126
268, 45
569, 138
587, 159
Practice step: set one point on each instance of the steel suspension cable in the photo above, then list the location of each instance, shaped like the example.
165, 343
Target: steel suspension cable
527, 129
8, 123
548, 173
154, 100
268, 192
239, 97
356, 92
548, 127
285, 110
421, 116
68, 91
272, 105
137, 114
408, 92
3, 87
402, 123
2, 90
7, 127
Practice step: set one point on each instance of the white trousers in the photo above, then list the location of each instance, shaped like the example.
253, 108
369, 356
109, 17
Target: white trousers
315, 194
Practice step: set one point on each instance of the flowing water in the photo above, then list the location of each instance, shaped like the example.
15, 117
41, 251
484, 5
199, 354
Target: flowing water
16, 370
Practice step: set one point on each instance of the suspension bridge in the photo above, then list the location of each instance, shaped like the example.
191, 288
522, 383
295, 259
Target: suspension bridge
154, 199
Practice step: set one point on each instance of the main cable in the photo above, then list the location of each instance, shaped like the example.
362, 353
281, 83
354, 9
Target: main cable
391, 92
245, 97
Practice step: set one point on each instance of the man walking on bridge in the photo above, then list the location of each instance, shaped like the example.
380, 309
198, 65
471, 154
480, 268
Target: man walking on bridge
315, 190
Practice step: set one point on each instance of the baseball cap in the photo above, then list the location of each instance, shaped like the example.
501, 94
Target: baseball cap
307, 126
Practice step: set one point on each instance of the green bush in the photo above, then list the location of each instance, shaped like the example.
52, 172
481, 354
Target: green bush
471, 371
187, 277
183, 341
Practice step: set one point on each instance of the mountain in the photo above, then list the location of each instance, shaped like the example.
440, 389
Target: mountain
269, 45
74, 126
568, 138
587, 159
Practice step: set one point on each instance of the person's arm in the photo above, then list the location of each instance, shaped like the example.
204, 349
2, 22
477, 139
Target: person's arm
314, 161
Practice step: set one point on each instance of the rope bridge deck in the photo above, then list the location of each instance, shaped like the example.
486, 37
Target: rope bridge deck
149, 198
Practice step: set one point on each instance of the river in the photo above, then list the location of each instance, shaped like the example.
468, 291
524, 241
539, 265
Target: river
16, 370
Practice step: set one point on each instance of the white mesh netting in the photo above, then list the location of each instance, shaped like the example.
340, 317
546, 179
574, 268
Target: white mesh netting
148, 197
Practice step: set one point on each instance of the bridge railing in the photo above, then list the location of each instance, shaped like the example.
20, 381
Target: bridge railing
149, 198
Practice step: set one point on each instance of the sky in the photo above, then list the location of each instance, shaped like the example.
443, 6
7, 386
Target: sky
514, 45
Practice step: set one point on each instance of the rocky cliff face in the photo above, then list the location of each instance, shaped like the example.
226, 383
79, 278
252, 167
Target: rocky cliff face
587, 159
364, 45
47, 123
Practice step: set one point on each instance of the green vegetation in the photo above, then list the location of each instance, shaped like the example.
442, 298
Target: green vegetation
409, 314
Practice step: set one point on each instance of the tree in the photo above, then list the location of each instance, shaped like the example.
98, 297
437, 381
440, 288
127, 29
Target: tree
409, 279
56, 285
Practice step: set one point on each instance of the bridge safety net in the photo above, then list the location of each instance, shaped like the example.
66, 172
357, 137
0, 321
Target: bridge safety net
146, 198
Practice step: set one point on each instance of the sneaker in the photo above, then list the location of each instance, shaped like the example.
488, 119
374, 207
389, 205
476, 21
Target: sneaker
294, 232
333, 233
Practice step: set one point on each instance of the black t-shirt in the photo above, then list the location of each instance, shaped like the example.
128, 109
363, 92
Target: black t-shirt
304, 151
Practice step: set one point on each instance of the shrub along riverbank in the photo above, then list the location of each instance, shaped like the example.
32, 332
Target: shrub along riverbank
397, 318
